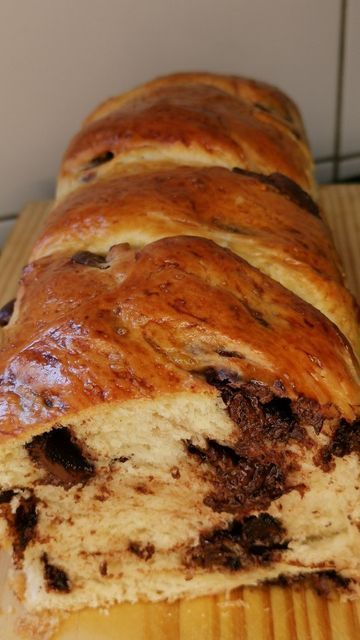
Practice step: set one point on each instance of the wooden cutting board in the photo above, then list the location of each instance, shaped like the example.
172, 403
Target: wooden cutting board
271, 613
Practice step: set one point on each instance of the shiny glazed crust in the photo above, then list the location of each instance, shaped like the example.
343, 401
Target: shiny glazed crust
183, 121
162, 314
269, 221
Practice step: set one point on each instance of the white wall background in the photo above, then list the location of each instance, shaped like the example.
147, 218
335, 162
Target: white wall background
59, 58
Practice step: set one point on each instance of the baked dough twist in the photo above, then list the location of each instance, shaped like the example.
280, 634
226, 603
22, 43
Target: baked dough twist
179, 392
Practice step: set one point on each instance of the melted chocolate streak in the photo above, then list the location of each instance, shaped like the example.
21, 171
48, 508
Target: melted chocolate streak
22, 523
286, 187
240, 484
324, 582
56, 579
61, 457
254, 540
255, 470
6, 312
346, 440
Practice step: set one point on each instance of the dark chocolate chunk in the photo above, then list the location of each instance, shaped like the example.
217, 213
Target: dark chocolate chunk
280, 421
175, 473
345, 440
309, 413
6, 496
262, 535
323, 582
56, 579
23, 524
228, 382
294, 192
6, 312
255, 469
145, 552
229, 354
263, 107
231, 228
286, 187
239, 483
103, 568
61, 457
102, 158
254, 540
258, 412
89, 259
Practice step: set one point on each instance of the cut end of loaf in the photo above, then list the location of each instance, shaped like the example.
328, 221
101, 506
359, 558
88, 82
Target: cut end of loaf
189, 504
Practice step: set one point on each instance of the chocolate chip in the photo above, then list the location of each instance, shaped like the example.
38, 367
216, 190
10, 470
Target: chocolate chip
240, 483
309, 412
262, 107
6, 312
56, 579
145, 552
102, 158
57, 452
229, 354
259, 412
294, 192
255, 540
323, 582
175, 473
103, 568
6, 496
261, 532
345, 440
22, 523
89, 259
286, 187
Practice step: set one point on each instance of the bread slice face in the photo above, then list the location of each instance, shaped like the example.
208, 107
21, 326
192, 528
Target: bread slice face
174, 423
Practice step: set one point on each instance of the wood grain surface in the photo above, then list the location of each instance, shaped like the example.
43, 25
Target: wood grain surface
271, 613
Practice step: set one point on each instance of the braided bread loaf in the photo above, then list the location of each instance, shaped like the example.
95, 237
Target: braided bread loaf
179, 392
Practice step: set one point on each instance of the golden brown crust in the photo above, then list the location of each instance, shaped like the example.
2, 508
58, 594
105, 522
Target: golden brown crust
261, 95
167, 202
147, 323
263, 220
187, 123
